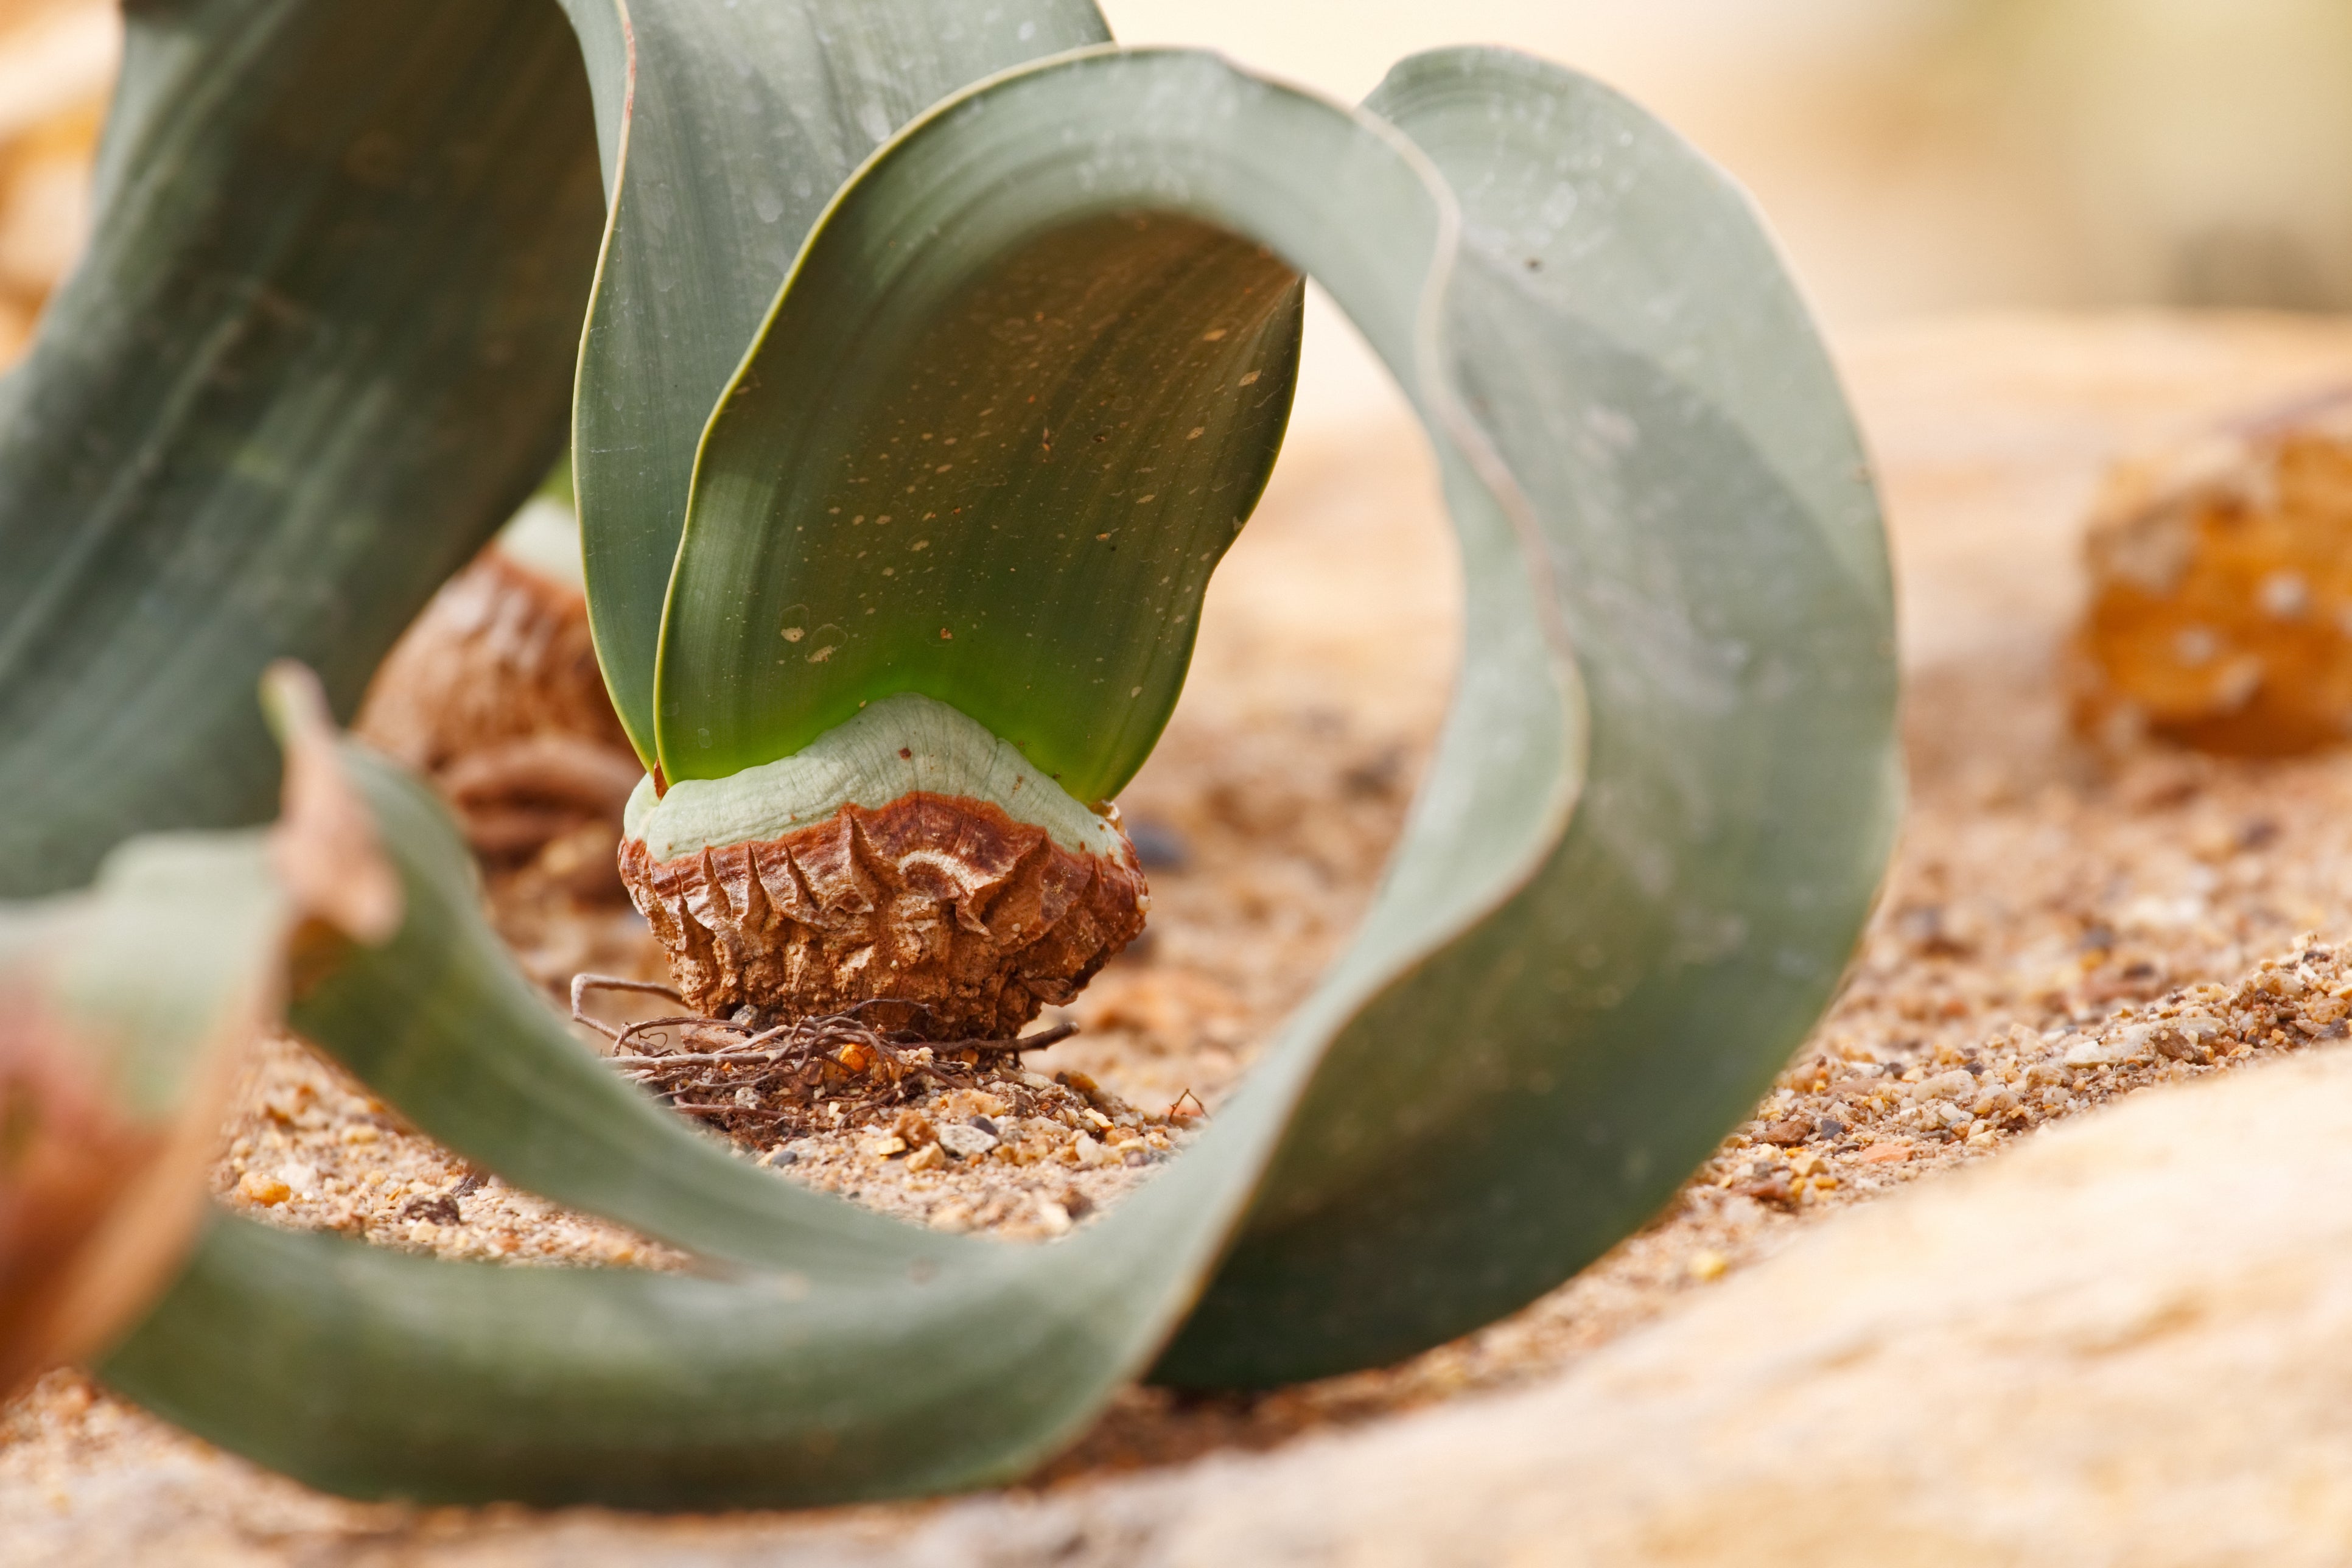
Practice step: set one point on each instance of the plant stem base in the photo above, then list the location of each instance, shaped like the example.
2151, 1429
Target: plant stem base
942, 901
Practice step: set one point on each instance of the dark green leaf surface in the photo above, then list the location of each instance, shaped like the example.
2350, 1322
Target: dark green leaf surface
725, 131
1655, 823
318, 350
1698, 513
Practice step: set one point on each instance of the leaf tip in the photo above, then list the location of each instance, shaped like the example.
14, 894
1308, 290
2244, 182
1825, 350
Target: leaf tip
325, 848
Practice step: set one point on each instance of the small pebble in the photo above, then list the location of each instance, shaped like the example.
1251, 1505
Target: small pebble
1994, 1102
1946, 1086
1158, 847
968, 1140
2093, 1054
266, 1191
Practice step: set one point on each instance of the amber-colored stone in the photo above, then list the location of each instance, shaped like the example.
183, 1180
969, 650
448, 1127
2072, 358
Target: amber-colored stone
2219, 613
937, 900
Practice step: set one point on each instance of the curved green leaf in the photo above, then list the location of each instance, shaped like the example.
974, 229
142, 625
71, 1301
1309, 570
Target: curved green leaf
1654, 826
725, 132
317, 352
440, 1021
1622, 333
972, 458
170, 952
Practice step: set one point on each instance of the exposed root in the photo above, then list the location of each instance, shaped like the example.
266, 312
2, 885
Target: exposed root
761, 1083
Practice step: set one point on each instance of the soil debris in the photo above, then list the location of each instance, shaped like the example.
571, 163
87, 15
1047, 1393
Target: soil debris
958, 1133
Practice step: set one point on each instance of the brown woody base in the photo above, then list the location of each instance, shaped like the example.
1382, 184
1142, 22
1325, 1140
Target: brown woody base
939, 900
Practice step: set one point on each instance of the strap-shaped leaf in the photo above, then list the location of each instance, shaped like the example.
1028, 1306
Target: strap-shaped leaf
859, 1357
1656, 820
318, 351
1695, 504
725, 132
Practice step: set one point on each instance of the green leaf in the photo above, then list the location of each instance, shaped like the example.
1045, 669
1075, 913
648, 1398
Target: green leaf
725, 131
1654, 826
440, 1021
989, 448
318, 351
1625, 343
322, 342
836, 1353
376, 1373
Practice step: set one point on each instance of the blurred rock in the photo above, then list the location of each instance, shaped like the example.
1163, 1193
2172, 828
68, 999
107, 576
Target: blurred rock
2125, 1343
495, 694
1158, 845
57, 63
2221, 591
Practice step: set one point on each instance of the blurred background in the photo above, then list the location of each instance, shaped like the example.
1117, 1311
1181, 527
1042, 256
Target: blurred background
1918, 157
56, 62
1928, 155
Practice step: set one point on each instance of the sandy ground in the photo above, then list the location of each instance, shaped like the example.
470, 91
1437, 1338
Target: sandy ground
2058, 932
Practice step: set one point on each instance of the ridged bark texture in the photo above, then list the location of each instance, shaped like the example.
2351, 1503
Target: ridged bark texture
941, 900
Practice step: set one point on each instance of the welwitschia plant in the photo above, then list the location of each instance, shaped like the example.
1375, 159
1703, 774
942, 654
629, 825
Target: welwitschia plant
933, 354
